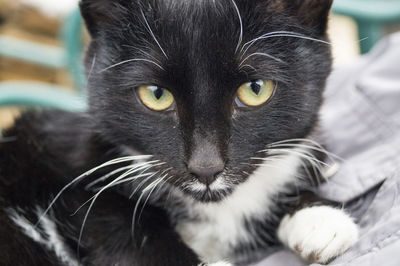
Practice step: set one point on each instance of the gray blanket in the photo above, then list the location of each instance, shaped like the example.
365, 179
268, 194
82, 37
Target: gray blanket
360, 122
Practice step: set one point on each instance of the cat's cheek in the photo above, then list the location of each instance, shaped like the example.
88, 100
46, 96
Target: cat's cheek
318, 234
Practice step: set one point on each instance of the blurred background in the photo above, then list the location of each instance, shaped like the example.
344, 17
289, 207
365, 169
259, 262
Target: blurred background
41, 44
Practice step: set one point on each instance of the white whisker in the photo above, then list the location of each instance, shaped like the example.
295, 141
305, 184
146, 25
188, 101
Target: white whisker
93, 200
241, 26
137, 167
261, 54
151, 186
132, 60
249, 66
152, 34
79, 178
284, 34
265, 35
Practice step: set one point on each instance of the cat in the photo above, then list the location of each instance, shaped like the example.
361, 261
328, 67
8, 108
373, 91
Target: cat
196, 149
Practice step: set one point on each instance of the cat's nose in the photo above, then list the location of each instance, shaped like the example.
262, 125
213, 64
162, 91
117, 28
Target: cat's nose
207, 174
206, 169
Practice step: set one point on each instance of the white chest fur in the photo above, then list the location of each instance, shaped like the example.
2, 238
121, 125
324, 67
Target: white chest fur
221, 225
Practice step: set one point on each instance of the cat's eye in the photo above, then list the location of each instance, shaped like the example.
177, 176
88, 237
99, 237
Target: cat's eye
255, 93
155, 98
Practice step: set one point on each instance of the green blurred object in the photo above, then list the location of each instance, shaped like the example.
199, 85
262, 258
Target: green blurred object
68, 57
45, 95
371, 17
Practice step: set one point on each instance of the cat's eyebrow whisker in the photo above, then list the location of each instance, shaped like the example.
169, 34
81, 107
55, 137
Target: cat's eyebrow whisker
132, 60
241, 26
299, 36
249, 66
152, 33
142, 52
265, 35
87, 173
261, 54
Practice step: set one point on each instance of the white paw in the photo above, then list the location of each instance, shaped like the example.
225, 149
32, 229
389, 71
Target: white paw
318, 234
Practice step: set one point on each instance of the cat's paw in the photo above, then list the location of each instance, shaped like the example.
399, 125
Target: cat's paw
318, 234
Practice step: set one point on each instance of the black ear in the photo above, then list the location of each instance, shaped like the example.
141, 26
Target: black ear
311, 13
100, 14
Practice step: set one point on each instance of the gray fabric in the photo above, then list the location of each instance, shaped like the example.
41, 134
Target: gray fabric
360, 122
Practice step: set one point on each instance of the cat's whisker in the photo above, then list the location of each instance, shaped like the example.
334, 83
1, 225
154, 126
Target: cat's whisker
305, 155
316, 147
163, 181
308, 173
329, 155
302, 153
86, 174
94, 198
144, 181
152, 33
137, 187
150, 186
135, 177
241, 26
261, 54
91, 69
119, 180
305, 140
138, 167
132, 60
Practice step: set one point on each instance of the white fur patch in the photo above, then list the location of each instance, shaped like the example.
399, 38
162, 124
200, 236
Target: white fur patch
221, 224
52, 240
217, 185
319, 233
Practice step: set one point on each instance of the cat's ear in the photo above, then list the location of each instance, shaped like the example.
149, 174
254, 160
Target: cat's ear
311, 13
98, 14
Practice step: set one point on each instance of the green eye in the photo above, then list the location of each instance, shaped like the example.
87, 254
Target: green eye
256, 92
155, 98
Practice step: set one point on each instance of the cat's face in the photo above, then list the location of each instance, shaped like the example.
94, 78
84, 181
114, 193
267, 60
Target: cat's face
204, 86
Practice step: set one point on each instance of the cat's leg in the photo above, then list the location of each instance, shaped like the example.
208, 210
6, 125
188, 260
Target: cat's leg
318, 233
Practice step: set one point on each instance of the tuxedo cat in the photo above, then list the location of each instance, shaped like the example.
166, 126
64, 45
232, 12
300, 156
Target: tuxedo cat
196, 149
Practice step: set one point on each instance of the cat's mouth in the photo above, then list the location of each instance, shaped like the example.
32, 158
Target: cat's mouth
214, 192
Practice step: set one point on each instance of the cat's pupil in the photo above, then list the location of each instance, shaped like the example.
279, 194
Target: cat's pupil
255, 87
158, 93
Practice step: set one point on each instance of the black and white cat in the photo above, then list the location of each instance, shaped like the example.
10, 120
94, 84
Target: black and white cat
196, 147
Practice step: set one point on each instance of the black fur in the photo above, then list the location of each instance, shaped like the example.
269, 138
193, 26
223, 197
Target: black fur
201, 67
